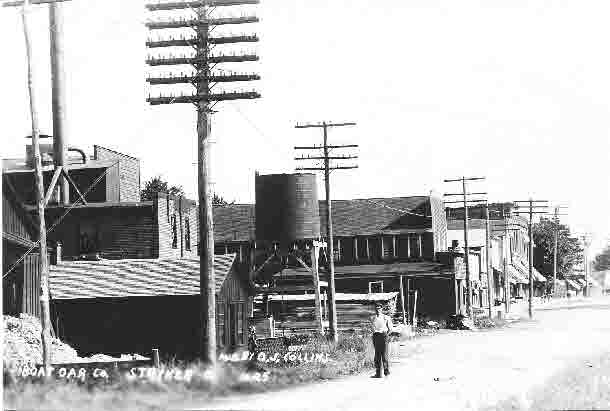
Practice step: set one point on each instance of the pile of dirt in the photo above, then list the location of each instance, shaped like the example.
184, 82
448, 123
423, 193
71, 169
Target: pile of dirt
23, 343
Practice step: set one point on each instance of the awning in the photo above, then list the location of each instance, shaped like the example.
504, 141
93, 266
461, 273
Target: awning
515, 275
370, 297
536, 276
132, 277
574, 285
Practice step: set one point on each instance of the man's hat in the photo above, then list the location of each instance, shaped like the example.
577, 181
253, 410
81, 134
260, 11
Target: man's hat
378, 305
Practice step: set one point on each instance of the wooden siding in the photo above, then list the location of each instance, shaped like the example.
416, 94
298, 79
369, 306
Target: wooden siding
166, 207
124, 179
31, 285
120, 233
13, 220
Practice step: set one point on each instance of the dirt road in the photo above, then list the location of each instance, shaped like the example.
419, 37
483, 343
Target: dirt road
457, 370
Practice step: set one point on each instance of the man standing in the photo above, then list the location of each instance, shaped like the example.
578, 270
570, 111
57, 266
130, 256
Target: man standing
382, 327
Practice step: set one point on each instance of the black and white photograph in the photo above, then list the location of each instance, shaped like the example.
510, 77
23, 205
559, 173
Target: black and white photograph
305, 205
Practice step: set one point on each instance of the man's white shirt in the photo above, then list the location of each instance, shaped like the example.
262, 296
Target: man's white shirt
382, 324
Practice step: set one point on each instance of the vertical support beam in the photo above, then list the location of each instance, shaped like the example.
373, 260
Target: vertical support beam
58, 96
457, 295
315, 253
419, 245
408, 307
42, 263
408, 245
206, 221
402, 301
241, 253
332, 318
467, 252
394, 254
531, 262
488, 258
368, 250
226, 248
181, 226
555, 251
356, 249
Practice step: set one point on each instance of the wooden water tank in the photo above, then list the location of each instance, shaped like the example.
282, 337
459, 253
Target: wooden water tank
286, 208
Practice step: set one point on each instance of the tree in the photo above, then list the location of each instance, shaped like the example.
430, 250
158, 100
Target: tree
602, 260
157, 185
219, 201
569, 251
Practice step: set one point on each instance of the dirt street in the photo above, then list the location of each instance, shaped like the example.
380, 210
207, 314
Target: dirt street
457, 370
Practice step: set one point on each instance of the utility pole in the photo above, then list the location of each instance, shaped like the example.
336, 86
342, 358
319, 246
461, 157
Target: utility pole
41, 198
504, 229
532, 206
203, 78
586, 240
326, 157
464, 195
555, 246
487, 256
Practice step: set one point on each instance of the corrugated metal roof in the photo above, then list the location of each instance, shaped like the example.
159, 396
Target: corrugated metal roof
132, 277
372, 297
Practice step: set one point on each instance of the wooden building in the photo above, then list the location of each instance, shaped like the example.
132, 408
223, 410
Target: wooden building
377, 241
133, 305
20, 286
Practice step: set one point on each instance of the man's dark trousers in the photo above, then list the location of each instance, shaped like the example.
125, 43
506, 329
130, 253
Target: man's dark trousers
380, 342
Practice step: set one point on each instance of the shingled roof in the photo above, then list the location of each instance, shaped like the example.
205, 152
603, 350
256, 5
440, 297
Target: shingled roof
132, 277
367, 216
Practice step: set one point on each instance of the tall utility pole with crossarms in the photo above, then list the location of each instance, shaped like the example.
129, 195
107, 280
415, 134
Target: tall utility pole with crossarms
202, 21
326, 157
533, 207
464, 194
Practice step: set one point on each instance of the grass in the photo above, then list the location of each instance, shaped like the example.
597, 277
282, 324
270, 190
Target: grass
351, 355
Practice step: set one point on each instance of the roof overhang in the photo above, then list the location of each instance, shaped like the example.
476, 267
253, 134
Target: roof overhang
132, 277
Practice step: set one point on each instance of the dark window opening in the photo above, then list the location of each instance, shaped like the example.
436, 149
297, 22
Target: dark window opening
187, 234
174, 232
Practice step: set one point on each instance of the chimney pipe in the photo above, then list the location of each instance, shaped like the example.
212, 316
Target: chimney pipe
58, 96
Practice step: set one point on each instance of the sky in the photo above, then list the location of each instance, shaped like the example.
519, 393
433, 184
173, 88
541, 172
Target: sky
516, 91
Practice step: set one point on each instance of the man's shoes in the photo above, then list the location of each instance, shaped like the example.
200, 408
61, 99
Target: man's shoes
376, 376
386, 372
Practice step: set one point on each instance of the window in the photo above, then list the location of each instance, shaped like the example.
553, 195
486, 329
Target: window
187, 234
240, 323
174, 232
220, 324
376, 287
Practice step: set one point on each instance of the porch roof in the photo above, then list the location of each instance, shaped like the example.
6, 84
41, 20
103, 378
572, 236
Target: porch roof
408, 269
370, 297
132, 277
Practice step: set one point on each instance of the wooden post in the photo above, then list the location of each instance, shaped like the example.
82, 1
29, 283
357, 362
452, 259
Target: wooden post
181, 226
419, 245
394, 254
43, 263
415, 310
408, 300
488, 258
315, 250
368, 250
356, 249
206, 221
408, 245
402, 302
156, 360
457, 296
